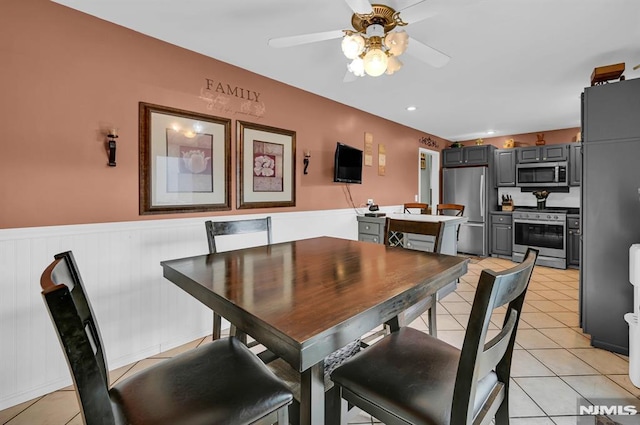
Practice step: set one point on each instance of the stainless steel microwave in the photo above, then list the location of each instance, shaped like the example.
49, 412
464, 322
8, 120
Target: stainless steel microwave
541, 174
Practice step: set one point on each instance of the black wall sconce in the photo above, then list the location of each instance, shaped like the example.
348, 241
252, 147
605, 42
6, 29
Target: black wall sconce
111, 143
307, 155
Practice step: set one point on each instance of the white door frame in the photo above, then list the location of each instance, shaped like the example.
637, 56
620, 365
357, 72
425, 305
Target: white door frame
435, 177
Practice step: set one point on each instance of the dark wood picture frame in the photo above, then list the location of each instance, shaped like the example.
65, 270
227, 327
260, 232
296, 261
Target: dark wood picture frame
185, 161
266, 158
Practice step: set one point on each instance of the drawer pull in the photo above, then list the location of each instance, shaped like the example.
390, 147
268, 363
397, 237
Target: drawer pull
367, 227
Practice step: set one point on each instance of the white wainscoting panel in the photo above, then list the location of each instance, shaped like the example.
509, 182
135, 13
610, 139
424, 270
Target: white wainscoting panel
139, 312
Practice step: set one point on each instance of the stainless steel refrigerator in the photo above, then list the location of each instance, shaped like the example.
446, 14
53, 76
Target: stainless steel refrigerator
471, 187
610, 209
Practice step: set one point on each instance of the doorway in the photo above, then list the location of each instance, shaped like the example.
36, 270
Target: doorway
429, 177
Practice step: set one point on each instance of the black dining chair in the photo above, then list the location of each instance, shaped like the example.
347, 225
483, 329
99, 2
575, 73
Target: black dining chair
216, 229
394, 236
221, 382
410, 377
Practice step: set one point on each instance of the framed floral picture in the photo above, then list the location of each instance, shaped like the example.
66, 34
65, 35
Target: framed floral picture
266, 166
185, 161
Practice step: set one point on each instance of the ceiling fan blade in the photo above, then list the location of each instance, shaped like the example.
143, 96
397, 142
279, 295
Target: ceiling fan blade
296, 40
428, 8
418, 12
349, 77
427, 54
361, 7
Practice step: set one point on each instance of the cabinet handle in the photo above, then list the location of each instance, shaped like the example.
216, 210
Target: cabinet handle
509, 227
571, 232
366, 227
409, 244
375, 239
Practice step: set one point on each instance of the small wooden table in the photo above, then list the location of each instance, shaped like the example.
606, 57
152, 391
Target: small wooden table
305, 299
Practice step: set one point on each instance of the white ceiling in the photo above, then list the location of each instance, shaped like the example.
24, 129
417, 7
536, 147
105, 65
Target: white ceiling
517, 66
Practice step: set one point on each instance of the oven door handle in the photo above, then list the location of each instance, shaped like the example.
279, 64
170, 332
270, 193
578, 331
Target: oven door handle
555, 223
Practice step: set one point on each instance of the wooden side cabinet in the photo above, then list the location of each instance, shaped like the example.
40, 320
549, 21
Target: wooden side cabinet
501, 234
505, 166
573, 241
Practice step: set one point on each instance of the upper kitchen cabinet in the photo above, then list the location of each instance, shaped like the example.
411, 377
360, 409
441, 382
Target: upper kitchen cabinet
505, 166
575, 164
542, 153
611, 111
470, 155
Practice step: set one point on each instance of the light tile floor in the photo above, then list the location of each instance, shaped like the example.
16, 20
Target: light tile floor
553, 363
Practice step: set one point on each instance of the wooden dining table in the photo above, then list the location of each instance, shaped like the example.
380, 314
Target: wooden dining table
304, 299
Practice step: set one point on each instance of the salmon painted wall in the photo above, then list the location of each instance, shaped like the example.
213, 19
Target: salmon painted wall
551, 137
67, 77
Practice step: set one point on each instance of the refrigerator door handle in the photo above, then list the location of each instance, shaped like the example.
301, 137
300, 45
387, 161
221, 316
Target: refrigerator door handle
482, 195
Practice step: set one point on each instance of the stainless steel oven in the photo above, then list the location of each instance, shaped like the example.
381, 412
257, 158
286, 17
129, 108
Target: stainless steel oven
542, 174
544, 230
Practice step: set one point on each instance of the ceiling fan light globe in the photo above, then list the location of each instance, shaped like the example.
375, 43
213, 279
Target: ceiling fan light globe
352, 45
393, 65
375, 62
356, 67
396, 42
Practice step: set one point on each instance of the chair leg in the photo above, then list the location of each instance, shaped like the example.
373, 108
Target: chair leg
433, 328
502, 415
283, 415
338, 414
217, 326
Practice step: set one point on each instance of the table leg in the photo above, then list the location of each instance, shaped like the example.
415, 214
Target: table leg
394, 324
312, 395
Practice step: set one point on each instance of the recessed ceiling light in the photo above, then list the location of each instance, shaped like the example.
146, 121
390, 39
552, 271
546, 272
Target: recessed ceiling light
490, 132
411, 108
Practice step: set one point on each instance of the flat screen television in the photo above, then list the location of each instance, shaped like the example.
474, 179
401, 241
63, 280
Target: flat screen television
348, 164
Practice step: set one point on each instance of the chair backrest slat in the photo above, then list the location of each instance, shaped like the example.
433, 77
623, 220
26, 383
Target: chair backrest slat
237, 227
494, 350
73, 319
424, 208
450, 209
479, 358
428, 228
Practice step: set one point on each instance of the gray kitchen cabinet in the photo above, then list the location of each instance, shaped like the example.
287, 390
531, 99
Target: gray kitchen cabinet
371, 229
610, 176
575, 164
573, 241
501, 234
612, 112
452, 157
469, 155
543, 153
505, 166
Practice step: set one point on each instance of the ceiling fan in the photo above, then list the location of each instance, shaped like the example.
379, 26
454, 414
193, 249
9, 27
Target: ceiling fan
372, 45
